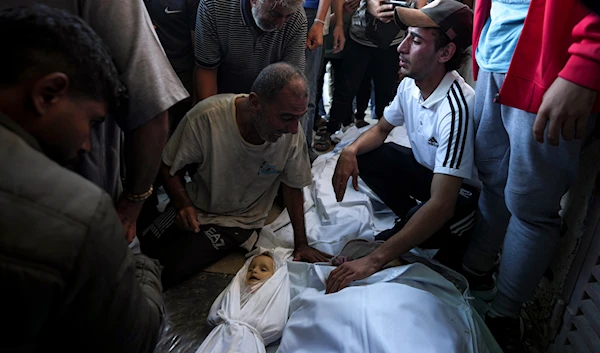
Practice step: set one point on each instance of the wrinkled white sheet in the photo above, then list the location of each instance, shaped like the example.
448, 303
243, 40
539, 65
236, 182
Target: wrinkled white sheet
260, 321
402, 309
331, 224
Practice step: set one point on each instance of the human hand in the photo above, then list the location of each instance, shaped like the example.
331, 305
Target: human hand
339, 39
310, 254
129, 212
315, 36
350, 6
384, 13
568, 107
346, 167
187, 218
347, 272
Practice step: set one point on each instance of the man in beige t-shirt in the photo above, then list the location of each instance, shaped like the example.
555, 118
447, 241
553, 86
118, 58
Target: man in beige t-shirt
246, 147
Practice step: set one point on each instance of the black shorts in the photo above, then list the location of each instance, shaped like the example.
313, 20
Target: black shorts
183, 253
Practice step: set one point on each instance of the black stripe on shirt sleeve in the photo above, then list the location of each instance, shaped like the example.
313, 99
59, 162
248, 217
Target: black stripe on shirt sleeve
451, 130
459, 133
463, 101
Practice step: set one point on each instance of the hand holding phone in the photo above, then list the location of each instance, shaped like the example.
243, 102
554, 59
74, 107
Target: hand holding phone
383, 10
351, 5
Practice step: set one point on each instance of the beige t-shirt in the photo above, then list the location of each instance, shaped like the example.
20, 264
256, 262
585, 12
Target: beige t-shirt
236, 182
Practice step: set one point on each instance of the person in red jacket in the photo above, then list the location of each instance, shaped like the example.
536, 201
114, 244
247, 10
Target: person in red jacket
538, 72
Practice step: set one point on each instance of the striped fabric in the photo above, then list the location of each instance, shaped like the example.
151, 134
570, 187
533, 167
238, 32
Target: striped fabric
458, 127
227, 38
440, 128
464, 224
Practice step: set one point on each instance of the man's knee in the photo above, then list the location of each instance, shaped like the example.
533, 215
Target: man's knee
372, 162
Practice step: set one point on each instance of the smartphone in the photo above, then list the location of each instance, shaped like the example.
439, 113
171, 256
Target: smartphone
395, 3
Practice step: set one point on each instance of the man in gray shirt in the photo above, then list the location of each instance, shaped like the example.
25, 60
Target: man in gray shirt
236, 39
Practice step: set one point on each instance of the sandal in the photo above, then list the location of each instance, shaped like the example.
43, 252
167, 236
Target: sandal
322, 141
321, 122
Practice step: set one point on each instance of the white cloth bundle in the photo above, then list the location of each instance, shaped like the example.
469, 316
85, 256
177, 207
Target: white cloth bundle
260, 321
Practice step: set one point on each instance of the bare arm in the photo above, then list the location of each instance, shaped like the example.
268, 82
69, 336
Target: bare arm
175, 186
187, 216
420, 3
294, 202
205, 83
348, 6
339, 38
347, 165
337, 7
315, 32
425, 222
372, 138
323, 8
143, 147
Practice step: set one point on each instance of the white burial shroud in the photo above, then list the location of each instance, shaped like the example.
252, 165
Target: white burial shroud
404, 309
260, 321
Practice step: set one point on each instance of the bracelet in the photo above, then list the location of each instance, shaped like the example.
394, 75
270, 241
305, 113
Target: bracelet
320, 21
139, 197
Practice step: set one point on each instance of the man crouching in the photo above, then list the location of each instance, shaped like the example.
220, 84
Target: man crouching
245, 146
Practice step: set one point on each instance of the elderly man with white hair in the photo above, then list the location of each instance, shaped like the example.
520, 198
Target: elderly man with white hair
236, 39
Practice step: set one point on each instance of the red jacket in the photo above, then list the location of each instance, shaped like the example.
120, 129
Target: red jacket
559, 38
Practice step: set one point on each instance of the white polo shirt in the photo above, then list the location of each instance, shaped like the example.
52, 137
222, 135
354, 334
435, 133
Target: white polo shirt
440, 129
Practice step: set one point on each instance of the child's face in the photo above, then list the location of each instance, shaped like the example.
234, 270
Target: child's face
260, 269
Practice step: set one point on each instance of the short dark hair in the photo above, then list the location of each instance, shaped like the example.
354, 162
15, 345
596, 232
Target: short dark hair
38, 40
274, 78
460, 55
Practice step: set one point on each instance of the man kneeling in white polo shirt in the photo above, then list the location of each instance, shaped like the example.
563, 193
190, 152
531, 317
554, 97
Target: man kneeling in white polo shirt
436, 105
